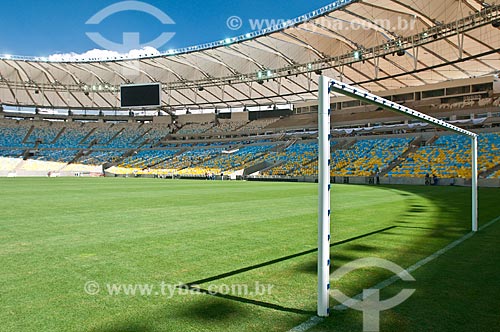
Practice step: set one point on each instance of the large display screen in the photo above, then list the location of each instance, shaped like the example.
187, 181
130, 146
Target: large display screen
140, 95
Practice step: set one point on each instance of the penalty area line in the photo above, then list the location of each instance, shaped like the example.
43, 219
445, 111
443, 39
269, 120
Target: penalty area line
313, 321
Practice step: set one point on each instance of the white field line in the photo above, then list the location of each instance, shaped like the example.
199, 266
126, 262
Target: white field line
313, 321
309, 324
489, 223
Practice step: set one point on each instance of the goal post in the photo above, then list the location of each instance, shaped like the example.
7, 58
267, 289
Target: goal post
326, 86
474, 184
324, 197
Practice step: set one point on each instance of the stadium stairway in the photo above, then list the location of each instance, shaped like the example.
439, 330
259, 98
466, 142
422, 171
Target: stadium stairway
77, 157
202, 161
26, 154
140, 137
116, 162
414, 146
489, 172
61, 132
339, 143
346, 145
342, 144
282, 146
90, 133
149, 141
257, 159
269, 166
177, 127
28, 134
243, 125
260, 167
94, 142
19, 166
431, 140
37, 143
181, 151
118, 133
290, 143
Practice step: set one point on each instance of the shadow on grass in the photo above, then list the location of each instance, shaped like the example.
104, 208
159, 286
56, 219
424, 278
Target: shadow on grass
413, 211
451, 209
360, 247
208, 310
125, 327
249, 301
451, 221
443, 230
282, 259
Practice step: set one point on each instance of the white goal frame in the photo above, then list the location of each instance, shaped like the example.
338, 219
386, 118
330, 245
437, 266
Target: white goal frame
326, 86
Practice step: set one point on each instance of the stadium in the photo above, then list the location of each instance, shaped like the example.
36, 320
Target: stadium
292, 178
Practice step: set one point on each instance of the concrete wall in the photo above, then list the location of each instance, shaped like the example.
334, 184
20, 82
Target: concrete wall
166, 119
240, 116
386, 181
23, 173
17, 167
196, 118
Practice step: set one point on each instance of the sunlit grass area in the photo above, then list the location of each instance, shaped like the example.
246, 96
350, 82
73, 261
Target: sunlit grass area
59, 235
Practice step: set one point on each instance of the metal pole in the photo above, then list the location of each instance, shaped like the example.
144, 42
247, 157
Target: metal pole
474, 184
324, 198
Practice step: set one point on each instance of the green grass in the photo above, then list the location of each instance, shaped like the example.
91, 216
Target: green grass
58, 234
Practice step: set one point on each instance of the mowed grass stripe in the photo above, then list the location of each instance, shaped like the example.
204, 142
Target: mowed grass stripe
56, 234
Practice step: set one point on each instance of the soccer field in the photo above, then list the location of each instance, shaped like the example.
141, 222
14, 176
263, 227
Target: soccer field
107, 254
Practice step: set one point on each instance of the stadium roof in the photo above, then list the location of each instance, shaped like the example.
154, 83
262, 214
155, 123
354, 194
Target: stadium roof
378, 45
